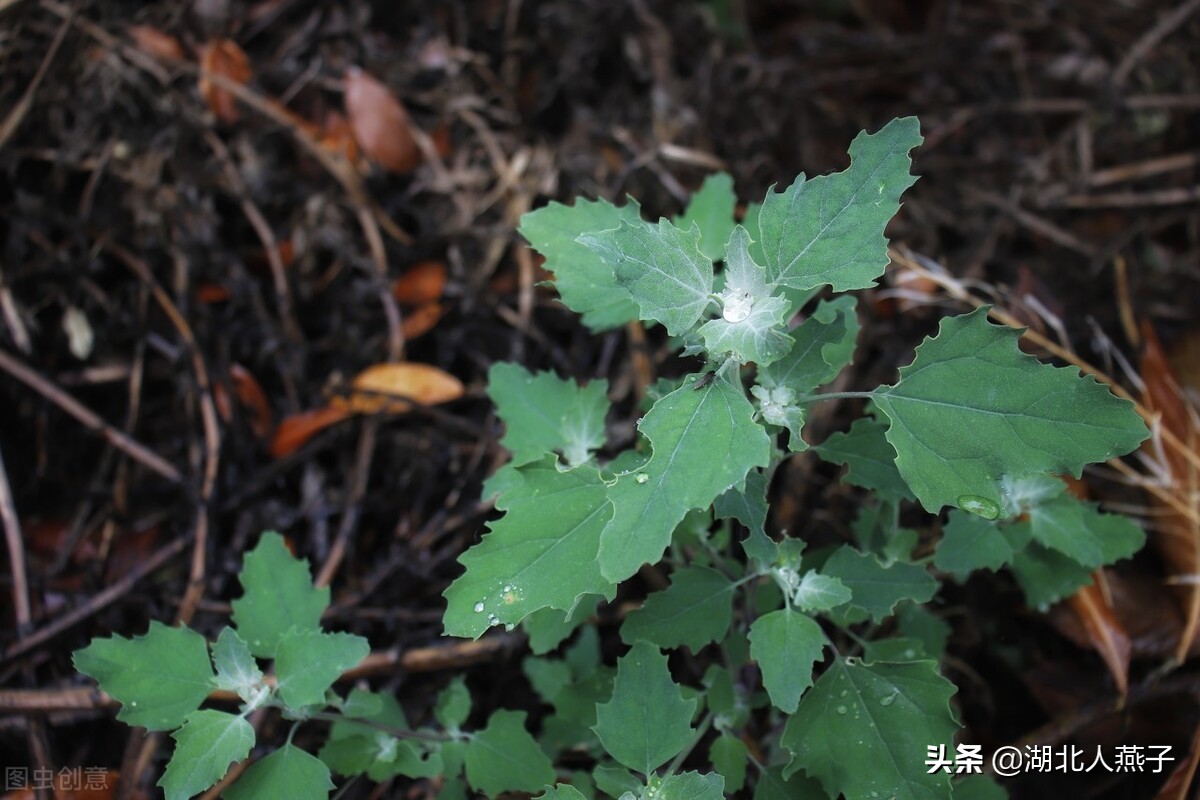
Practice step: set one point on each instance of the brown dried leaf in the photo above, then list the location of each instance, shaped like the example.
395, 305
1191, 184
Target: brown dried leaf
421, 320
152, 41
297, 429
1178, 537
379, 388
251, 395
421, 283
222, 57
1104, 631
1177, 785
380, 124
337, 136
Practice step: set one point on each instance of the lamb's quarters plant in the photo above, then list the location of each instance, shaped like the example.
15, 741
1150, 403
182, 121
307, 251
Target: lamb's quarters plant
162, 678
972, 424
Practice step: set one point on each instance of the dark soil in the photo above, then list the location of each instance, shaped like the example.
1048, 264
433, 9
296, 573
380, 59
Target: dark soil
1059, 164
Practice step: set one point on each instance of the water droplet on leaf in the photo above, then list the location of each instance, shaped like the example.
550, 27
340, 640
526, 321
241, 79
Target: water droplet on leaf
887, 701
479, 608
841, 709
979, 506
642, 477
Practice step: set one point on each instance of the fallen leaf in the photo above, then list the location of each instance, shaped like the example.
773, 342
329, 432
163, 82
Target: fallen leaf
337, 136
295, 430
421, 283
152, 41
1176, 786
1177, 536
223, 58
1104, 631
389, 388
421, 320
380, 124
251, 395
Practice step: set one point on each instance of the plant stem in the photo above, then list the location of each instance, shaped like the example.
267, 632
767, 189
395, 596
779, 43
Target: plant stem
399, 733
705, 724
813, 398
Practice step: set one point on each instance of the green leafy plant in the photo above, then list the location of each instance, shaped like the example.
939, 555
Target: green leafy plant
972, 424
162, 678
775, 707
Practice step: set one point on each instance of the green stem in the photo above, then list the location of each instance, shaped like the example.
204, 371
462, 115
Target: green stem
399, 733
705, 724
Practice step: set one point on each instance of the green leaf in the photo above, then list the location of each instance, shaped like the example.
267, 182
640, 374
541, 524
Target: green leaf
921, 624
869, 460
979, 787
748, 505
1047, 576
704, 441
287, 774
777, 407
970, 542
158, 678
544, 414
615, 781
864, 728
563, 791
729, 757
583, 279
750, 327
817, 592
1083, 533
503, 757
279, 595
662, 268
876, 589
711, 210
972, 409
548, 627
237, 671
541, 553
830, 229
308, 662
691, 786
695, 610
772, 786
205, 746
786, 644
453, 704
647, 721
823, 347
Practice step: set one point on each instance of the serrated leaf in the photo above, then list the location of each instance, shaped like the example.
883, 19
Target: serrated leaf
864, 728
970, 542
829, 230
694, 610
748, 505
1083, 533
583, 279
896, 649
729, 756
1047, 576
158, 678
823, 347
875, 588
919, 623
818, 592
308, 662
287, 774
562, 791
869, 459
691, 786
359, 740
205, 746
279, 596
647, 721
711, 210
503, 757
777, 407
453, 704
661, 267
237, 671
541, 553
547, 628
786, 644
545, 414
972, 409
751, 327
704, 441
